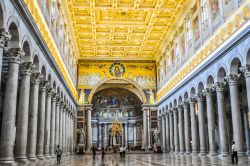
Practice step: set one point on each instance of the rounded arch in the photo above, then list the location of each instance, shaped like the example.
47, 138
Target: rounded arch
175, 103
54, 86
248, 57
27, 51
43, 73
170, 105
192, 92
49, 80
94, 90
221, 74
185, 96
210, 81
13, 30
166, 107
58, 91
180, 100
235, 66
200, 87
36, 63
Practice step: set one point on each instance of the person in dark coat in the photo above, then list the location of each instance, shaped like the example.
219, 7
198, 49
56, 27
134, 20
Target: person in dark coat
94, 152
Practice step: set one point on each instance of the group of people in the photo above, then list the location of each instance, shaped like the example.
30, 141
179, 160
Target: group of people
59, 153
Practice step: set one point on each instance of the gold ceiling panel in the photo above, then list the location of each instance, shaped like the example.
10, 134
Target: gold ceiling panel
122, 28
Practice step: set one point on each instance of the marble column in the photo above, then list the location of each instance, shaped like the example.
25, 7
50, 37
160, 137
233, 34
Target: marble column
135, 135
222, 124
105, 135
145, 129
246, 71
211, 121
171, 126
100, 135
163, 133
4, 38
246, 131
194, 128
187, 127
181, 129
236, 115
61, 124
33, 115
126, 135
47, 123
57, 122
89, 129
63, 128
23, 112
202, 128
167, 132
176, 133
9, 113
41, 120
52, 126
149, 134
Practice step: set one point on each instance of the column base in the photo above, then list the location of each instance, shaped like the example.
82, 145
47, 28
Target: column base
23, 160
47, 156
32, 159
224, 156
40, 157
202, 153
7, 161
240, 154
188, 153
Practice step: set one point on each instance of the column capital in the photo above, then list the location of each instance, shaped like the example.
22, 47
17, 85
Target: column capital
245, 70
15, 55
58, 102
232, 79
192, 101
209, 92
219, 86
54, 96
43, 86
185, 105
4, 37
35, 78
199, 97
26, 68
179, 106
49, 91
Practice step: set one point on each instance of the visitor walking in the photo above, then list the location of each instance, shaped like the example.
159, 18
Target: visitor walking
124, 152
121, 151
94, 152
59, 153
234, 153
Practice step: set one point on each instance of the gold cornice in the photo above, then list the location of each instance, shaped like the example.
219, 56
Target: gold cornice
235, 24
38, 17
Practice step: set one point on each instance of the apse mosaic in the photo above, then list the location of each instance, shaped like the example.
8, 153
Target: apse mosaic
116, 103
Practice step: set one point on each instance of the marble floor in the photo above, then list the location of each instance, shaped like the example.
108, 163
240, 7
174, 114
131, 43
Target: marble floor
137, 159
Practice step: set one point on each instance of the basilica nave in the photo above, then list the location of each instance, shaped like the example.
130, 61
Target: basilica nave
167, 81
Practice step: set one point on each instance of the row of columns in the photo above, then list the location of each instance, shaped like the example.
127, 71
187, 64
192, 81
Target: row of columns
42, 117
176, 122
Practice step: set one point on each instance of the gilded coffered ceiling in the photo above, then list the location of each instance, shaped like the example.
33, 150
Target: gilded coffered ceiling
122, 29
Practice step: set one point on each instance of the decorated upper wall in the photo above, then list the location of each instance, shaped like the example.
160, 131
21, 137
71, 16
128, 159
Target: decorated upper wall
92, 73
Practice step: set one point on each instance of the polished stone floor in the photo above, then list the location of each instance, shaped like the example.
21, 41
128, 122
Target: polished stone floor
137, 159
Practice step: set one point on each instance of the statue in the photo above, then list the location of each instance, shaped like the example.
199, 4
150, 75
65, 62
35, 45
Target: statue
157, 136
82, 97
81, 137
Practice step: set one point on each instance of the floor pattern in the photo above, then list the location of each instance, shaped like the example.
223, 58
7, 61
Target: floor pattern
138, 160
